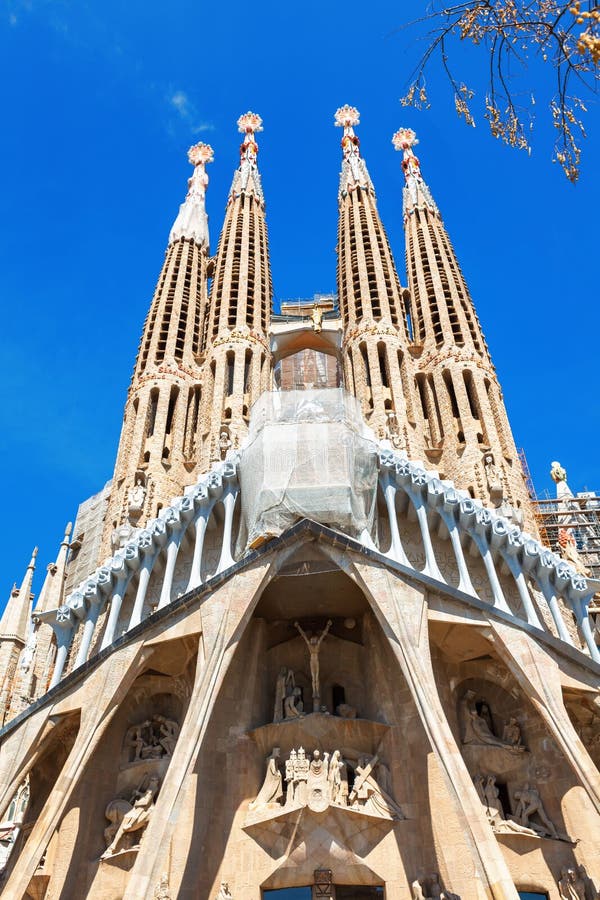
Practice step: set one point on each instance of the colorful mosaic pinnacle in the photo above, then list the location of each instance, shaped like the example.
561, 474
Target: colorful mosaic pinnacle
249, 123
201, 154
347, 116
404, 139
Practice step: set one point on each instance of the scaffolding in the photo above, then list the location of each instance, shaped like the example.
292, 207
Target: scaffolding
579, 515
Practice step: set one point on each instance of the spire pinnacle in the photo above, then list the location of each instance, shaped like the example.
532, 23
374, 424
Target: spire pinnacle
354, 171
50, 596
192, 221
416, 192
14, 624
247, 178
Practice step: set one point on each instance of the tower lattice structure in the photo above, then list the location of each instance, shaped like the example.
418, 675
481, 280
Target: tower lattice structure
464, 425
158, 452
371, 300
235, 346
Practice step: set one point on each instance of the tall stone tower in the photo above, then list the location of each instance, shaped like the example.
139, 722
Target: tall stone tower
235, 344
333, 666
158, 452
371, 301
465, 430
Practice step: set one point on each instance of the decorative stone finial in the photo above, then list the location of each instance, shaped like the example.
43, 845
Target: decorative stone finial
347, 116
200, 154
249, 123
404, 138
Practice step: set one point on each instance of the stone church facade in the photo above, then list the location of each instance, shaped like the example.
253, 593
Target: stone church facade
306, 643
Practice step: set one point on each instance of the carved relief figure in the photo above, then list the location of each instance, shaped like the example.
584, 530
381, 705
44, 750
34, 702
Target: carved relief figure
323, 781
135, 500
224, 892
134, 819
314, 645
368, 795
529, 803
271, 790
477, 728
494, 479
224, 444
293, 706
152, 739
511, 733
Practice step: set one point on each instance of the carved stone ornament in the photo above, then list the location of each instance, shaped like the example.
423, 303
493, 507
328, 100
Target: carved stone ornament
224, 892
313, 644
154, 738
478, 727
321, 781
127, 818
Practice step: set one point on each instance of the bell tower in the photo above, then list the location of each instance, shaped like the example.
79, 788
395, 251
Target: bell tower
237, 358
372, 303
466, 433
158, 454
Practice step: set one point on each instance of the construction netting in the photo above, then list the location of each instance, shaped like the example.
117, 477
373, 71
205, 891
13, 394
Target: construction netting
309, 454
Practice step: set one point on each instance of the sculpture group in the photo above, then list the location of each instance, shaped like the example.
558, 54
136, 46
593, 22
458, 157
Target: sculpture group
322, 780
127, 818
153, 738
478, 727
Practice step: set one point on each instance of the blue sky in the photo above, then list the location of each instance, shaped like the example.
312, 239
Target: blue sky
100, 103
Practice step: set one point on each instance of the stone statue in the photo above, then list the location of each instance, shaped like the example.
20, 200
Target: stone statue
169, 732
314, 645
152, 739
557, 473
135, 818
224, 892
293, 706
494, 479
321, 780
434, 891
511, 733
477, 729
135, 500
529, 803
283, 687
492, 799
366, 794
271, 791
317, 318
224, 444
570, 553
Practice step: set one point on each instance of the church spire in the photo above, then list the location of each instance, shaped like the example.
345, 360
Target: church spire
192, 221
370, 297
157, 456
51, 595
14, 624
236, 346
464, 423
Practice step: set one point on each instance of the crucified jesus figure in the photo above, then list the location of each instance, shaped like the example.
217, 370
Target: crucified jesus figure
314, 645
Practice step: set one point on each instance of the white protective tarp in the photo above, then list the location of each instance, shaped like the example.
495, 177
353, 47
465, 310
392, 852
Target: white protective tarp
309, 454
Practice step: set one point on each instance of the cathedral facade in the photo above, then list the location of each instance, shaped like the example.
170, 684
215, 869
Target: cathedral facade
307, 642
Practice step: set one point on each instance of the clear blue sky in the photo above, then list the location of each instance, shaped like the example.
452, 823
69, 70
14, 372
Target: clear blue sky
100, 103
